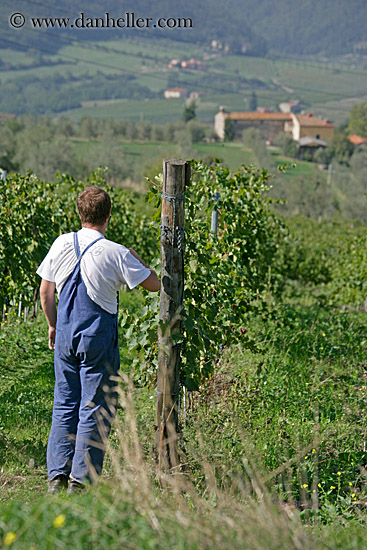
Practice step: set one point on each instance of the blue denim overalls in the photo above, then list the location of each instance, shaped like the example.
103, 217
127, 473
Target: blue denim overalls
86, 355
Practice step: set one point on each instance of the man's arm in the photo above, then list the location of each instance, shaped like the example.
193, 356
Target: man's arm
152, 282
48, 303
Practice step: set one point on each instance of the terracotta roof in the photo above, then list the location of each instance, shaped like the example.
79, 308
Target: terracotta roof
310, 120
176, 90
257, 116
357, 140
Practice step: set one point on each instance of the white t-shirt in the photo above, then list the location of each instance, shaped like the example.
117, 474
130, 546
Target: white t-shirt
105, 267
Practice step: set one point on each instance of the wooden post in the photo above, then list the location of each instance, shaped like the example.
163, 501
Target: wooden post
176, 174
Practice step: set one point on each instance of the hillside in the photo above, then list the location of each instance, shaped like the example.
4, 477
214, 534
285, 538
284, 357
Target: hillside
325, 27
126, 79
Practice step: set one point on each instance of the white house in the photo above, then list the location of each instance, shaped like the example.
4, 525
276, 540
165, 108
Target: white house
175, 93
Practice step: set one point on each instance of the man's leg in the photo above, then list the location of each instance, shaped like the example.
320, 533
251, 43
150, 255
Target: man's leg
65, 415
97, 406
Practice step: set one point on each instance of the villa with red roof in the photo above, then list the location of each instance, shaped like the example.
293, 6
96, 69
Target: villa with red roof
270, 124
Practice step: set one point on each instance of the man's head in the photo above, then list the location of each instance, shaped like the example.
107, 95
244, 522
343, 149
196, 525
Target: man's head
94, 206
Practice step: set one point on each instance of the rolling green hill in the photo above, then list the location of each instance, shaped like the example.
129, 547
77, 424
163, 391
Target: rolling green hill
325, 27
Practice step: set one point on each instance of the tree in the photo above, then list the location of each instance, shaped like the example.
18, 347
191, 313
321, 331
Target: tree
287, 145
323, 155
358, 120
111, 155
228, 130
253, 102
196, 130
189, 111
341, 148
184, 144
45, 157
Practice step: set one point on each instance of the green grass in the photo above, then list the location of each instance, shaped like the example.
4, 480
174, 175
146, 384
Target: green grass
299, 398
25, 395
301, 393
295, 167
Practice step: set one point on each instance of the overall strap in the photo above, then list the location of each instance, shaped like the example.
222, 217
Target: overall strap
77, 248
76, 245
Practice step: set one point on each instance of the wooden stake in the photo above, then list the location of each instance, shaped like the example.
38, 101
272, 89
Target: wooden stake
176, 174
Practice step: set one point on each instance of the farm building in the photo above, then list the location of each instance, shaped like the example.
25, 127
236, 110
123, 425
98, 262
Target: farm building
309, 125
6, 116
175, 93
270, 124
193, 63
310, 145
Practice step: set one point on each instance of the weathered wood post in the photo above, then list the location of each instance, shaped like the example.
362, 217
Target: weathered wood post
176, 175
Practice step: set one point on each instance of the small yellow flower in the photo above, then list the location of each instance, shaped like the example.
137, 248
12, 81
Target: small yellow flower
9, 538
350, 484
59, 521
314, 491
339, 473
304, 485
319, 485
313, 451
323, 334
306, 457
332, 487
353, 495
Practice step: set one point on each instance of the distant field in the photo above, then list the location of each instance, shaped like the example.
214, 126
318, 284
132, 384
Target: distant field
249, 67
232, 154
337, 110
154, 110
294, 167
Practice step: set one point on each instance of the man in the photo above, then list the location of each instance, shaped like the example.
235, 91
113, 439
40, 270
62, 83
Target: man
87, 270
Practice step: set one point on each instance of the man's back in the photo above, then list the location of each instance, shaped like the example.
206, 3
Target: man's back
105, 268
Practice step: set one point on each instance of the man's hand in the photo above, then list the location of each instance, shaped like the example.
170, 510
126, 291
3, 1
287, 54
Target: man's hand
48, 303
51, 337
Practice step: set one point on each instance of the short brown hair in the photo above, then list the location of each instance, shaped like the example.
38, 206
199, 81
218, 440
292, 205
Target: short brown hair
94, 205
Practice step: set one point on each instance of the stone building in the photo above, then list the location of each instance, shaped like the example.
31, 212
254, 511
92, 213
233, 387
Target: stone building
309, 125
269, 124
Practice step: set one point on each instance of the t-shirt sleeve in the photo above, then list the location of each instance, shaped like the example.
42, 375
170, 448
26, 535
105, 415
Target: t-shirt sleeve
133, 271
45, 270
